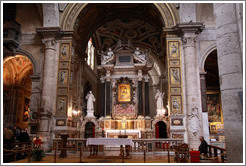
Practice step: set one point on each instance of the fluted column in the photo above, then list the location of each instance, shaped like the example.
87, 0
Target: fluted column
192, 79
231, 78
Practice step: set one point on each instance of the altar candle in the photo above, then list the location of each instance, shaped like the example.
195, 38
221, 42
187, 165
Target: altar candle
120, 132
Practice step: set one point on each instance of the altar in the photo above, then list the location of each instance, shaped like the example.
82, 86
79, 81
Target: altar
130, 133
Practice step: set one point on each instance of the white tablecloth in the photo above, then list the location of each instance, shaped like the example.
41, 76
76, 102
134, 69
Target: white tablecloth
109, 141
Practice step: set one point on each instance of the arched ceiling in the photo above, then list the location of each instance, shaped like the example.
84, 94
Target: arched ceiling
94, 18
17, 71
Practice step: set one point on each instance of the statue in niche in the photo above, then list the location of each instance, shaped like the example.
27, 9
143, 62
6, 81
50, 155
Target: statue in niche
174, 49
90, 99
194, 121
159, 96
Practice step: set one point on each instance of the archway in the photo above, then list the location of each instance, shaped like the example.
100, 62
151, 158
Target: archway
213, 97
89, 130
161, 130
17, 90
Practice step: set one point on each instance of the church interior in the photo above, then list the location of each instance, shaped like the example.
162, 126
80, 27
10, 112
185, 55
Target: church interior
144, 71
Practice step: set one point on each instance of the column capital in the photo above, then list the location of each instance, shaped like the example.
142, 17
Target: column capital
146, 78
103, 78
49, 43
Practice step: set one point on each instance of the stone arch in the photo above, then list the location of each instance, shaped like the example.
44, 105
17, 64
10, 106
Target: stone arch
29, 56
204, 56
88, 120
168, 13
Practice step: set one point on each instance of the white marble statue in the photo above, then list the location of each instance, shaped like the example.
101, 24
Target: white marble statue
105, 56
90, 109
90, 99
159, 103
139, 54
194, 121
110, 53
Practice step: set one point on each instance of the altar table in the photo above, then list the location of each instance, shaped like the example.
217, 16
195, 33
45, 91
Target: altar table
92, 142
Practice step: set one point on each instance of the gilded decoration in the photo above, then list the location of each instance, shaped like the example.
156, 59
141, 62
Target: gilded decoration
61, 106
65, 51
175, 90
178, 136
174, 77
173, 49
62, 77
176, 107
124, 92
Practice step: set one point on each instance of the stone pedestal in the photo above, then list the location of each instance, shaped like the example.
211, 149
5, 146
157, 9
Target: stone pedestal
90, 114
63, 153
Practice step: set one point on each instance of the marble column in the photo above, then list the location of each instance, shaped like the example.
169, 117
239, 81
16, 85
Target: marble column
49, 78
140, 93
192, 79
103, 96
108, 92
146, 89
231, 78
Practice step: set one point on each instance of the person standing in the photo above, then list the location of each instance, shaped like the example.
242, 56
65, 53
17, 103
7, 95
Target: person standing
203, 148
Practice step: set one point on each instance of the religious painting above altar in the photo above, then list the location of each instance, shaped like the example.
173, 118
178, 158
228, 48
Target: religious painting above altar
124, 93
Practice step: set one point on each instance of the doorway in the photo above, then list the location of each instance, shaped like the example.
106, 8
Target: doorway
89, 130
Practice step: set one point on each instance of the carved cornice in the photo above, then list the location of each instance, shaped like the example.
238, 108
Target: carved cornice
49, 32
190, 27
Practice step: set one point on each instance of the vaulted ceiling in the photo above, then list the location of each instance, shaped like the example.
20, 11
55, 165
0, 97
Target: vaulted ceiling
107, 23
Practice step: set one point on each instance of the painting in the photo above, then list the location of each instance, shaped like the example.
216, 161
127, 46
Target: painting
173, 49
26, 110
213, 129
61, 106
176, 107
175, 75
124, 92
214, 107
60, 122
62, 77
64, 51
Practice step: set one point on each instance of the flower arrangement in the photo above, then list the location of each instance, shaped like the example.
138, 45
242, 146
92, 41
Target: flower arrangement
37, 153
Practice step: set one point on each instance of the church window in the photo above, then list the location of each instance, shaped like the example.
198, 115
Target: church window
90, 54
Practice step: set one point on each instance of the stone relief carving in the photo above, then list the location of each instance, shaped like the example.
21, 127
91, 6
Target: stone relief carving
175, 76
194, 125
140, 55
176, 104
